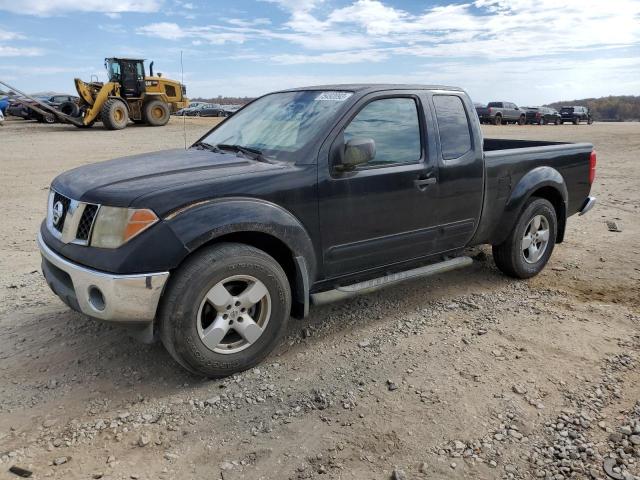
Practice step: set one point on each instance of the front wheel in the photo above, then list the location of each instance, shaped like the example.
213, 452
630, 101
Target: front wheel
225, 309
114, 114
528, 247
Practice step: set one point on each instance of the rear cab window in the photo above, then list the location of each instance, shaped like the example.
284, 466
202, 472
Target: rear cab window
453, 126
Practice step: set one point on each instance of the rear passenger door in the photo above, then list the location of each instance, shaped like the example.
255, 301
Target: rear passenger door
460, 186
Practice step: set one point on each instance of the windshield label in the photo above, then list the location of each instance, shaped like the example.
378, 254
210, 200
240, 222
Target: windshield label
333, 96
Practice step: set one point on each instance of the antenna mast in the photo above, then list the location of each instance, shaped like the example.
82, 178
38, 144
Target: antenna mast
184, 117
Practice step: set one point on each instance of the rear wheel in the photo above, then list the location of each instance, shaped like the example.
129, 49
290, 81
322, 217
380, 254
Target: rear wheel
225, 309
576, 121
557, 122
528, 247
114, 114
497, 120
156, 113
521, 120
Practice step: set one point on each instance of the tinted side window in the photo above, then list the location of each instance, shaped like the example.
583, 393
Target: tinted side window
393, 124
453, 126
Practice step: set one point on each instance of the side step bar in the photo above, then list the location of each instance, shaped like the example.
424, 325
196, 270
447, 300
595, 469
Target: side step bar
369, 286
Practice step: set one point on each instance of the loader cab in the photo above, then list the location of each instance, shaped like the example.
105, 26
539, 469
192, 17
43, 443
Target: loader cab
129, 73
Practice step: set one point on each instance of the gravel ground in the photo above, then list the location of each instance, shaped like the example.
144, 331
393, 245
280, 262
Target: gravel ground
465, 375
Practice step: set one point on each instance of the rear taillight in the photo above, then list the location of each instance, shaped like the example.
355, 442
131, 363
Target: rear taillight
592, 167
489, 110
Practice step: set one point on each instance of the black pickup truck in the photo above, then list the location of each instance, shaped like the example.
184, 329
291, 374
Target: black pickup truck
303, 197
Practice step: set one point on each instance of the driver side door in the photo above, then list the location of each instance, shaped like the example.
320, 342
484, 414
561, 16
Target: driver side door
384, 211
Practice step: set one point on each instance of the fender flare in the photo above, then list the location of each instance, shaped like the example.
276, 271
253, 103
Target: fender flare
199, 223
533, 181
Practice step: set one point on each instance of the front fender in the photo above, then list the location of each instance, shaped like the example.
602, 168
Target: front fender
205, 221
533, 181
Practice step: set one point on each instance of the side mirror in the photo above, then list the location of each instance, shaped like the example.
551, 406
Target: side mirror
358, 151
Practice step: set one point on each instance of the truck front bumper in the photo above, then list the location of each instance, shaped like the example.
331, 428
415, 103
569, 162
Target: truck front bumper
120, 298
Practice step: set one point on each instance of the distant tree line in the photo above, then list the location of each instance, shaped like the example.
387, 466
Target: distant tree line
620, 108
224, 100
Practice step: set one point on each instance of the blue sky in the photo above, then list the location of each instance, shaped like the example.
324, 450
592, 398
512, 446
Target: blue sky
527, 51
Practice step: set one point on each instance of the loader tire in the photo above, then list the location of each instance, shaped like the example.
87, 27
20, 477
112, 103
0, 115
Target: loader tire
156, 113
114, 114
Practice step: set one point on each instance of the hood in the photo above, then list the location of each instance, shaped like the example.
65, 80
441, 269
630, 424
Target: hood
120, 181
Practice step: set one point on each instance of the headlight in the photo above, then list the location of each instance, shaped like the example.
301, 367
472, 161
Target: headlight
115, 226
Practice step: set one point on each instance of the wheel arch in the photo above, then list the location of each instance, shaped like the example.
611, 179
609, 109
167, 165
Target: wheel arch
543, 182
260, 224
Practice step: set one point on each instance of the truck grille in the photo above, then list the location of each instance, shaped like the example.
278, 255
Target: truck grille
64, 201
86, 221
78, 217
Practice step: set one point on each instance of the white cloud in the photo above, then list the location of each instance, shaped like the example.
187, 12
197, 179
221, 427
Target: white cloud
7, 35
8, 51
56, 7
209, 34
336, 58
491, 29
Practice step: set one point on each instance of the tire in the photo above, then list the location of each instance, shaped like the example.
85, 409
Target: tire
521, 120
510, 256
497, 120
590, 121
114, 114
70, 108
557, 122
156, 113
185, 311
576, 121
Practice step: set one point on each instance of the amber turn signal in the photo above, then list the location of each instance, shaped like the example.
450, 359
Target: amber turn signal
138, 221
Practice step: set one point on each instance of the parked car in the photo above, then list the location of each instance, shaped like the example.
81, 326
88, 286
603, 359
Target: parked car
576, 115
231, 109
192, 106
305, 196
4, 103
21, 108
541, 115
500, 113
205, 110
216, 111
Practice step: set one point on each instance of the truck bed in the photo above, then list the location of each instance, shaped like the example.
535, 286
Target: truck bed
508, 161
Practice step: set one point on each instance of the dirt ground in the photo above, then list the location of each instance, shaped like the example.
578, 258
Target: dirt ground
466, 375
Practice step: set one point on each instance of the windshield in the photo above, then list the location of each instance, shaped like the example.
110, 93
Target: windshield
280, 123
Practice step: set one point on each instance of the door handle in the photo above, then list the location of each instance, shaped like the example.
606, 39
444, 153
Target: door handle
423, 183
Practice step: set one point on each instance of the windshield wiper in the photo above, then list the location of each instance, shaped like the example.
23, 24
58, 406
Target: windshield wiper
254, 153
207, 146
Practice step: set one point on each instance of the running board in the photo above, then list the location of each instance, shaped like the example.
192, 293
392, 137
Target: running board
369, 286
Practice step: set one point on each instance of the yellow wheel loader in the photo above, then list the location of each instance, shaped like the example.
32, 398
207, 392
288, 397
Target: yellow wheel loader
128, 95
